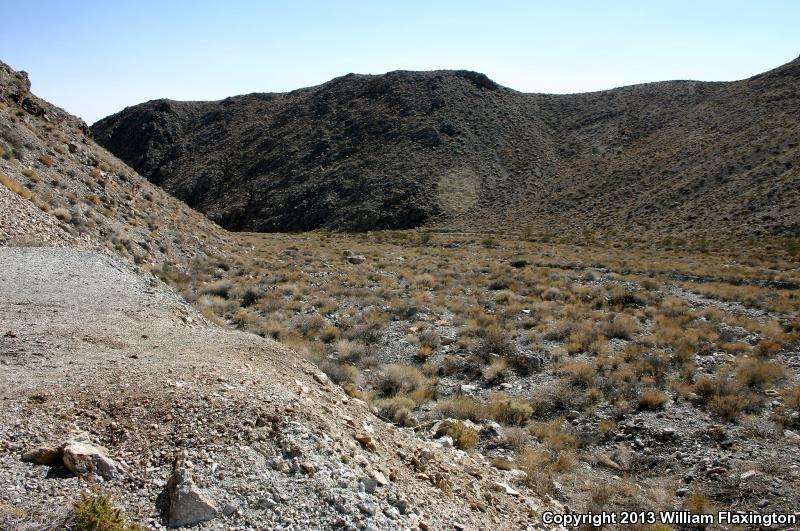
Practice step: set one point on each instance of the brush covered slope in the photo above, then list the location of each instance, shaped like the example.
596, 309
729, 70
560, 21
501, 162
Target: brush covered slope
60, 188
454, 150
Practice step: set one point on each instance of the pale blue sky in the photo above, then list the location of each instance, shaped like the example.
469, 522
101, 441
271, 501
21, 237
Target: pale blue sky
95, 57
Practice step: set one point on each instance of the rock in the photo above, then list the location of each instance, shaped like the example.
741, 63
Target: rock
468, 389
365, 441
668, 433
367, 508
792, 436
503, 487
380, 478
187, 504
682, 492
446, 441
83, 458
229, 509
763, 503
356, 259
43, 456
369, 485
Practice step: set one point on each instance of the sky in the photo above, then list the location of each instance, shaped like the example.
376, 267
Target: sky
94, 58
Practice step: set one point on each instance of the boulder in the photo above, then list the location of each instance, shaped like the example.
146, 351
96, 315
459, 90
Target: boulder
187, 503
83, 458
79, 455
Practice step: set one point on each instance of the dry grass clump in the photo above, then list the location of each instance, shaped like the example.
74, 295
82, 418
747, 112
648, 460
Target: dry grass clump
620, 326
652, 399
15, 187
756, 374
95, 512
496, 370
405, 380
463, 436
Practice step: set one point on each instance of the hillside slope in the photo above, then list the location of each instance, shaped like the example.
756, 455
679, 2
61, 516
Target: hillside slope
270, 437
74, 192
453, 150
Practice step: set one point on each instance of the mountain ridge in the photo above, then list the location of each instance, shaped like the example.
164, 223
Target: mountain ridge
453, 150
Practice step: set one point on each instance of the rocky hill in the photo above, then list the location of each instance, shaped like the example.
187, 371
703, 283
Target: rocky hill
58, 187
453, 150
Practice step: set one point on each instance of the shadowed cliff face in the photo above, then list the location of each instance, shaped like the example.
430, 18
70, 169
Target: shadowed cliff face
453, 150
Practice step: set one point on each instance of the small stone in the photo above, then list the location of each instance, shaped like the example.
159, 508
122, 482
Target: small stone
43, 456
356, 259
366, 508
229, 509
380, 478
503, 487
369, 485
682, 491
365, 441
763, 503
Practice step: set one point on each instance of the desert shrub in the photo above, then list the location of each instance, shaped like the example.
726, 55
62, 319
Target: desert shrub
220, 288
246, 295
463, 436
727, 407
620, 326
462, 407
509, 411
62, 214
578, 373
705, 388
791, 397
699, 504
555, 434
350, 351
766, 348
756, 373
515, 438
397, 408
340, 373
495, 371
329, 333
95, 512
15, 187
47, 160
308, 324
423, 353
408, 380
536, 466
652, 399
607, 427
430, 338
495, 341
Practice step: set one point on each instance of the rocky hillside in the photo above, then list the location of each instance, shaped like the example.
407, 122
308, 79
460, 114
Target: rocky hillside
58, 187
454, 150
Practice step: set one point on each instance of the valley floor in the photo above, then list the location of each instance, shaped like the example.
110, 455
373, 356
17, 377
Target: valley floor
608, 376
